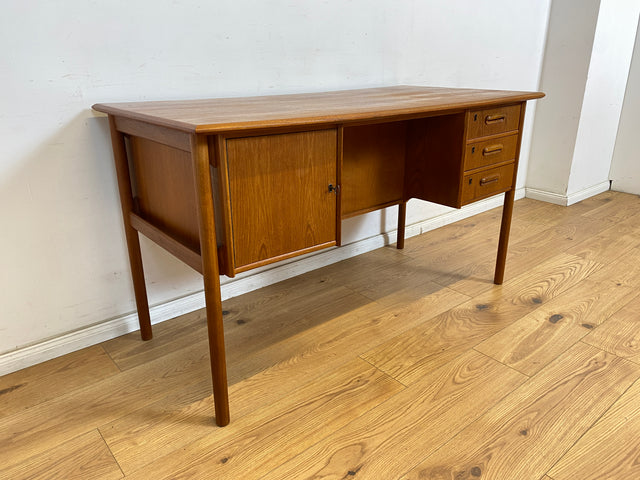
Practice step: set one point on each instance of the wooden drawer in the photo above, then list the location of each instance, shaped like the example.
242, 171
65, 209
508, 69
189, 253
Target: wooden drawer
486, 183
493, 121
490, 152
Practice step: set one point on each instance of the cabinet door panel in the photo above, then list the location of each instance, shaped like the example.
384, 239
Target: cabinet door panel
281, 205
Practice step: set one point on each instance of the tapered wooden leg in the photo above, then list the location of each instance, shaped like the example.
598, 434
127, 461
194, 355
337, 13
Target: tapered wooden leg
133, 241
402, 218
209, 253
503, 243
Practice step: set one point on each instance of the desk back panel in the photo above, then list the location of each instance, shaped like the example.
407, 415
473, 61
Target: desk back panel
373, 158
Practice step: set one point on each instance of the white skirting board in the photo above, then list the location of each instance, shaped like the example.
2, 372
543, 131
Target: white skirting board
566, 200
92, 335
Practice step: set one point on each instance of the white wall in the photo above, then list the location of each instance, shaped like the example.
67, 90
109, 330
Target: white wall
585, 72
63, 256
564, 76
625, 167
604, 94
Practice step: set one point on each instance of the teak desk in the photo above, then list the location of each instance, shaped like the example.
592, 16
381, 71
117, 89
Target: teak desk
231, 184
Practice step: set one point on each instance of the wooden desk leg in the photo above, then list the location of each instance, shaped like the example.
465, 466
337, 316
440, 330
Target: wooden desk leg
402, 218
209, 254
133, 241
503, 243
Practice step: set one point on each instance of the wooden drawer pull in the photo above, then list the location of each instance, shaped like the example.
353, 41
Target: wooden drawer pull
488, 180
491, 119
491, 149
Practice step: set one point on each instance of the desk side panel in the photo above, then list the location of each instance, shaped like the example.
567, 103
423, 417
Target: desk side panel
164, 189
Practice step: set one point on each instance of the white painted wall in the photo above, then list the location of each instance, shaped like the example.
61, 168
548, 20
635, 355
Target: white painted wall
625, 167
568, 48
604, 93
585, 72
62, 251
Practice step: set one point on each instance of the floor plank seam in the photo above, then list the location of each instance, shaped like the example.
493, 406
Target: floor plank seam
592, 424
110, 452
30, 457
461, 430
630, 360
101, 345
384, 373
510, 367
356, 418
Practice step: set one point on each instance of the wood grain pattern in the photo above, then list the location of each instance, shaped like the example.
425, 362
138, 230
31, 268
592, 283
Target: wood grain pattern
165, 136
166, 241
279, 180
493, 121
509, 196
606, 204
476, 238
164, 189
276, 360
46, 381
470, 265
612, 242
303, 418
435, 149
372, 166
532, 242
47, 424
387, 277
205, 215
534, 249
428, 346
222, 208
610, 448
292, 342
293, 211
346, 106
83, 458
613, 207
400, 432
620, 335
486, 183
535, 340
128, 352
127, 204
490, 152
538, 422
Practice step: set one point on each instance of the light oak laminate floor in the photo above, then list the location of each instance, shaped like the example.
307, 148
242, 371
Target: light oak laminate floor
391, 365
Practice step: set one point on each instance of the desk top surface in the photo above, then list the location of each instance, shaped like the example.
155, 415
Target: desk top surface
346, 106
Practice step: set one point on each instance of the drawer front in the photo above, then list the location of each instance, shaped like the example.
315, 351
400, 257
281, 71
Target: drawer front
490, 152
486, 183
493, 121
